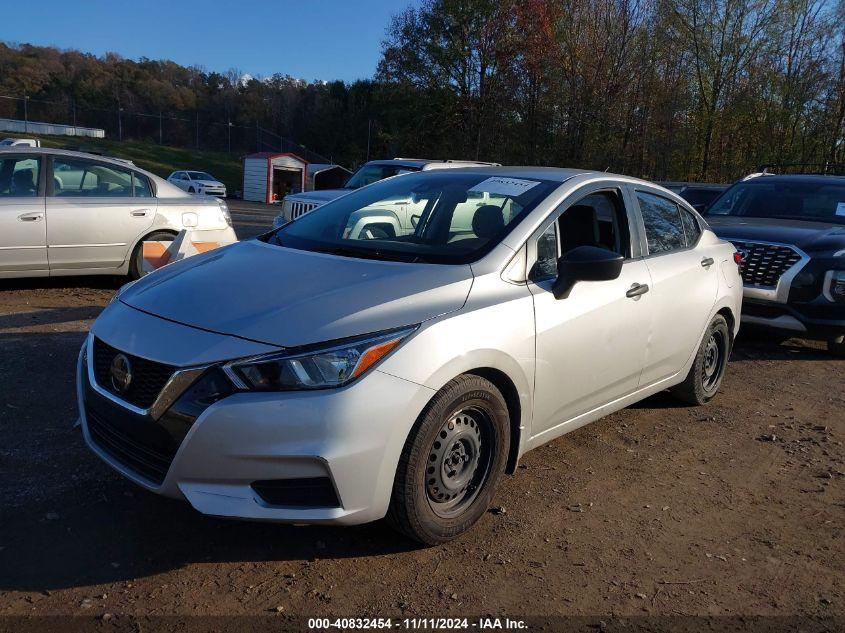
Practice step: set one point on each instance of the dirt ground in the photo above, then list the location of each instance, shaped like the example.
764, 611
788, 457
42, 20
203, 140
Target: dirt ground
732, 509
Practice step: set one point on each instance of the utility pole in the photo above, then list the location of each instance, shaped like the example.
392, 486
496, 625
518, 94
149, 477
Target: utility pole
369, 130
25, 114
229, 128
257, 138
160, 135
198, 129
73, 106
119, 124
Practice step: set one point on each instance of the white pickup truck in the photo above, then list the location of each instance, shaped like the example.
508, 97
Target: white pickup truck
298, 204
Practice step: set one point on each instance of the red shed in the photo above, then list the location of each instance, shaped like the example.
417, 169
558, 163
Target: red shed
269, 177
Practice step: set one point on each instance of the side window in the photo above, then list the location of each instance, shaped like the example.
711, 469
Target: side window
546, 266
664, 228
691, 227
142, 186
79, 178
596, 220
19, 177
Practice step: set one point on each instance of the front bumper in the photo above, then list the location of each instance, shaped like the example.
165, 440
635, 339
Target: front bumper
819, 319
353, 436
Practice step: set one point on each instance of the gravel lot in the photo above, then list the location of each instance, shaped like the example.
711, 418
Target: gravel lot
736, 508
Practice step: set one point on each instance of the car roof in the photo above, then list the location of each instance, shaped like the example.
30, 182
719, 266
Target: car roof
554, 174
785, 178
403, 162
66, 152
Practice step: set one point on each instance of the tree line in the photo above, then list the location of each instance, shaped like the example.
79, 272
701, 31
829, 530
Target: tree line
664, 89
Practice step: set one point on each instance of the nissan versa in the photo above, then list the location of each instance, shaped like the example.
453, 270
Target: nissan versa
314, 376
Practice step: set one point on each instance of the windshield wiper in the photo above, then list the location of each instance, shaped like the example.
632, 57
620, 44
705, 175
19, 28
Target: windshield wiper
346, 251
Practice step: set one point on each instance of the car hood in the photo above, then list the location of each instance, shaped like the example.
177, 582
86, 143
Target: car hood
323, 196
808, 236
289, 297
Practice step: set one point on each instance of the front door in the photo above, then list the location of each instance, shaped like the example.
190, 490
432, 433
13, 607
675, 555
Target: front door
591, 345
94, 216
23, 229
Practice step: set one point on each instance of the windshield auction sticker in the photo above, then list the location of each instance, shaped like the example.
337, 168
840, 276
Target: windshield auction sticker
511, 187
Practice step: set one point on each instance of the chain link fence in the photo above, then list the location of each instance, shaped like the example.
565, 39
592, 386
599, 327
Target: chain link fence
199, 131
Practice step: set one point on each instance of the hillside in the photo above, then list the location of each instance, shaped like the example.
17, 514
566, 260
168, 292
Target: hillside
159, 159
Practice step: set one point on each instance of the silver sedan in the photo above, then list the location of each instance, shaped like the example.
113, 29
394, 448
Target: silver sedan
73, 213
322, 373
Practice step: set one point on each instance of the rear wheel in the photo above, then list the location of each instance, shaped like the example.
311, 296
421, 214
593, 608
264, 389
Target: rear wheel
136, 265
836, 346
451, 462
708, 369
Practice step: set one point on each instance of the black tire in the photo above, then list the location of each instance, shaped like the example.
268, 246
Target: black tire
460, 442
836, 346
136, 268
708, 369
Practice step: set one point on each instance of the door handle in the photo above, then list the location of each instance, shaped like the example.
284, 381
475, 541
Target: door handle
139, 213
707, 262
31, 217
637, 290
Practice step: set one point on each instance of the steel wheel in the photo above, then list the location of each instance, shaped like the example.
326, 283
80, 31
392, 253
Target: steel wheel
451, 462
459, 460
714, 360
708, 367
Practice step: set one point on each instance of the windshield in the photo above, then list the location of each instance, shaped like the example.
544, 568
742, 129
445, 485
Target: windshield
436, 216
795, 200
368, 174
200, 175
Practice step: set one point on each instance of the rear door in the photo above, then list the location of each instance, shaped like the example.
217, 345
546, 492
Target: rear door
23, 229
684, 283
95, 213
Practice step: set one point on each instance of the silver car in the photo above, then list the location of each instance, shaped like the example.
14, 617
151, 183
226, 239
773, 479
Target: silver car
317, 375
73, 213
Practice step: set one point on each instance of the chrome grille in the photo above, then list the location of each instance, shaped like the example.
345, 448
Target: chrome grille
298, 209
148, 377
764, 264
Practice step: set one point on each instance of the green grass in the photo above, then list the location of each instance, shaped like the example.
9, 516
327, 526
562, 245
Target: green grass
159, 159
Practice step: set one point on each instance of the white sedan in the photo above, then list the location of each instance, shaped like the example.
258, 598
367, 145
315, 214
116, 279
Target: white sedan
198, 182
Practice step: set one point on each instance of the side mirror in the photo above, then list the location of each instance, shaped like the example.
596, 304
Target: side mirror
585, 263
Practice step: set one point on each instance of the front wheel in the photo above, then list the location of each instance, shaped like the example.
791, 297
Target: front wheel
708, 369
451, 462
836, 346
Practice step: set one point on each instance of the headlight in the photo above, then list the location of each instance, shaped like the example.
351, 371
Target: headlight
224, 209
315, 368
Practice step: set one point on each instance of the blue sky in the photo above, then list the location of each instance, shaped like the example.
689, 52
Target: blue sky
310, 39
